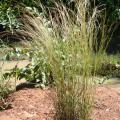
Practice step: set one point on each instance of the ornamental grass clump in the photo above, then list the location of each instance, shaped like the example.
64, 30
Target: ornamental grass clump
68, 44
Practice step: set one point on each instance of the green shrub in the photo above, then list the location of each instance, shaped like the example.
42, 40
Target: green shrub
37, 71
109, 65
8, 18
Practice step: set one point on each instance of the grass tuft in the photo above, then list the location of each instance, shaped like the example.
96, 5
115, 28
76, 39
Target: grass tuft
69, 44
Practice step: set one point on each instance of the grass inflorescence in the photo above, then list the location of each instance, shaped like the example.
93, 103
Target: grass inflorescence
68, 44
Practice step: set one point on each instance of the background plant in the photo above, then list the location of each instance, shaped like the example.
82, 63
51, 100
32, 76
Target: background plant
8, 16
37, 71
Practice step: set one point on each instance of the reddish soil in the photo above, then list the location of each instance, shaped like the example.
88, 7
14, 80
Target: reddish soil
30, 104
37, 104
107, 104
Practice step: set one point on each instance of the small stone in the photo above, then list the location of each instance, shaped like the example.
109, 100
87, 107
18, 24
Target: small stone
107, 110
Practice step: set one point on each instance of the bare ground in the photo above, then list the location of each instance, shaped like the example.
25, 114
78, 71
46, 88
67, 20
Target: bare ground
107, 104
37, 104
30, 104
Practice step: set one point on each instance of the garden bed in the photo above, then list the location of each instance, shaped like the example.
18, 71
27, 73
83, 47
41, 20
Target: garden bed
37, 104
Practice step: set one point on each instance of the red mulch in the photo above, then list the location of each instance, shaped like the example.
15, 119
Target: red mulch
107, 104
31, 104
37, 104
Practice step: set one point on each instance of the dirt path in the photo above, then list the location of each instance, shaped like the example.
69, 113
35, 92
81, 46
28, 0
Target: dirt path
114, 83
7, 65
37, 104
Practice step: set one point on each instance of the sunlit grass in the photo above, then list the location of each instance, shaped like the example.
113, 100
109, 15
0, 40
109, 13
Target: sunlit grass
68, 46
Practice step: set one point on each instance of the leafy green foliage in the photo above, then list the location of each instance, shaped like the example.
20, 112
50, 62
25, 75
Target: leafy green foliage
10, 11
8, 17
16, 54
38, 71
